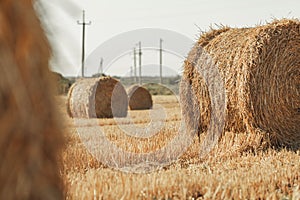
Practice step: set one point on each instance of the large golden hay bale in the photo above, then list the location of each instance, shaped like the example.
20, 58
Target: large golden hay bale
260, 70
139, 98
30, 138
103, 97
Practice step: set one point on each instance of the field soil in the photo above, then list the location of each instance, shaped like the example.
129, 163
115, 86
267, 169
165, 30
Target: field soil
232, 170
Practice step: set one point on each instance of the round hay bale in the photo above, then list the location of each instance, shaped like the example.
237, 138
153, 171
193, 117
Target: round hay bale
103, 97
31, 138
69, 95
260, 70
139, 98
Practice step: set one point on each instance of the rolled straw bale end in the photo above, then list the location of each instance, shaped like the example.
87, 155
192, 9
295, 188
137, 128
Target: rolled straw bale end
103, 97
139, 98
260, 69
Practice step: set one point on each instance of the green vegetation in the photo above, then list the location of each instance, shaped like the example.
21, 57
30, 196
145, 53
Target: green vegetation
63, 84
169, 86
157, 89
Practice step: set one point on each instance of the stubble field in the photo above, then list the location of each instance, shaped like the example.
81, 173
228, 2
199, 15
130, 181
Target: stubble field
234, 169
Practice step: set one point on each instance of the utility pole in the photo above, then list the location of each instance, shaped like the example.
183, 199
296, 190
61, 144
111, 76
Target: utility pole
140, 63
101, 67
83, 23
160, 60
131, 72
134, 64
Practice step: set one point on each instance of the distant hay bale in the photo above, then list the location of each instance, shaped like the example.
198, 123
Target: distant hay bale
260, 69
69, 95
139, 98
103, 97
30, 138
62, 83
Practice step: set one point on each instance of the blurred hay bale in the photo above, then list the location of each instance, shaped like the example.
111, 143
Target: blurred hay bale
62, 84
69, 96
30, 138
139, 98
103, 97
260, 69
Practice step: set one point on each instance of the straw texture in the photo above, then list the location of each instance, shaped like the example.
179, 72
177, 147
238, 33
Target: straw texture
139, 98
103, 97
260, 70
30, 138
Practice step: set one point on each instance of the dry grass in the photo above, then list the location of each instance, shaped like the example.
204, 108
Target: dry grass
232, 170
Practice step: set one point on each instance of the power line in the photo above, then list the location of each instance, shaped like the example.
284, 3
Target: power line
140, 63
160, 60
134, 64
83, 23
109, 65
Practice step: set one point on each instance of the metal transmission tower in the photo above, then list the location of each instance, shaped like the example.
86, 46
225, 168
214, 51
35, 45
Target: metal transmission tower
83, 23
131, 72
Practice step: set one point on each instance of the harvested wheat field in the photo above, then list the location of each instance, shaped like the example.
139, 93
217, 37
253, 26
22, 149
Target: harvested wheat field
233, 170
82, 152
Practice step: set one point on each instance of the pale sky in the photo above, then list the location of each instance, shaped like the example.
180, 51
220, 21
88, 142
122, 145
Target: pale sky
114, 17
